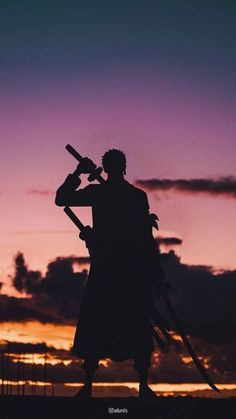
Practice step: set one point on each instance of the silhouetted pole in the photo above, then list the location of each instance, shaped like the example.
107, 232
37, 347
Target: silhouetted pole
53, 389
11, 375
18, 372
7, 373
45, 374
23, 373
3, 373
32, 376
35, 377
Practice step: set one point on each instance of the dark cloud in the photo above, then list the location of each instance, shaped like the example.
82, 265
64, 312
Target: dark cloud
59, 280
29, 348
223, 186
80, 260
52, 298
176, 366
23, 277
168, 241
204, 301
14, 309
41, 192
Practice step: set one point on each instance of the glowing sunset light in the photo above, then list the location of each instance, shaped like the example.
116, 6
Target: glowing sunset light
121, 389
58, 336
38, 359
186, 359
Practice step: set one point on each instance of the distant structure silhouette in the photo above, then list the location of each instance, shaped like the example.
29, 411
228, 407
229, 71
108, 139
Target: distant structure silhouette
115, 316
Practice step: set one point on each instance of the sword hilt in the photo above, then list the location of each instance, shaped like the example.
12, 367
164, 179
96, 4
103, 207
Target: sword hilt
95, 174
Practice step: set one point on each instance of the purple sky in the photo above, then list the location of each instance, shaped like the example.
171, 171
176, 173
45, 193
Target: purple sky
153, 79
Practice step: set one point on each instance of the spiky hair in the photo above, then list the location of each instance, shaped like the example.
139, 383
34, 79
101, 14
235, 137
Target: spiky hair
114, 159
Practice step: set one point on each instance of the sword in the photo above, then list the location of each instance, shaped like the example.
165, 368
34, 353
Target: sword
187, 344
74, 218
96, 174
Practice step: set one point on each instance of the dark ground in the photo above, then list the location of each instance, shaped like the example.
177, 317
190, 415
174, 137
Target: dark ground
164, 408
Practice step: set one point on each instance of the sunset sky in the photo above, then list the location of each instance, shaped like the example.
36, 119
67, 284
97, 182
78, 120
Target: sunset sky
153, 78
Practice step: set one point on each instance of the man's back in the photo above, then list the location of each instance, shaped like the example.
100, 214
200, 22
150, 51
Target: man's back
120, 213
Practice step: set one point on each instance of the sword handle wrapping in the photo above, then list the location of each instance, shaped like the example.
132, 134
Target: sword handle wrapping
73, 152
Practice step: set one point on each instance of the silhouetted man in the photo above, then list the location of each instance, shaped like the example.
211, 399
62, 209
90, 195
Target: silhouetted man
114, 319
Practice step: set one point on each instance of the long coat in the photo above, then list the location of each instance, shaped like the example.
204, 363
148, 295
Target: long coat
114, 319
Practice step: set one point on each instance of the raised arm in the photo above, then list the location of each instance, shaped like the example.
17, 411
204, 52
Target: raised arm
68, 195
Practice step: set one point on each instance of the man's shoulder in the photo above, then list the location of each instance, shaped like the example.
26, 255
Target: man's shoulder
139, 196
139, 192
132, 190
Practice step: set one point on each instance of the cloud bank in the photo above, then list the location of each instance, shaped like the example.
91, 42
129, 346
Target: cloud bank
168, 241
204, 301
222, 186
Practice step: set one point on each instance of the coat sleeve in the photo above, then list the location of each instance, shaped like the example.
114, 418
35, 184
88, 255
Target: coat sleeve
68, 195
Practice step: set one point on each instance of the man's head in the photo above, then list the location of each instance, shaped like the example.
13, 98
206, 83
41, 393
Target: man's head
114, 162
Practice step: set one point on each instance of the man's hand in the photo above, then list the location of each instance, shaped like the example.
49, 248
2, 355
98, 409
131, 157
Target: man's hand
86, 166
87, 234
